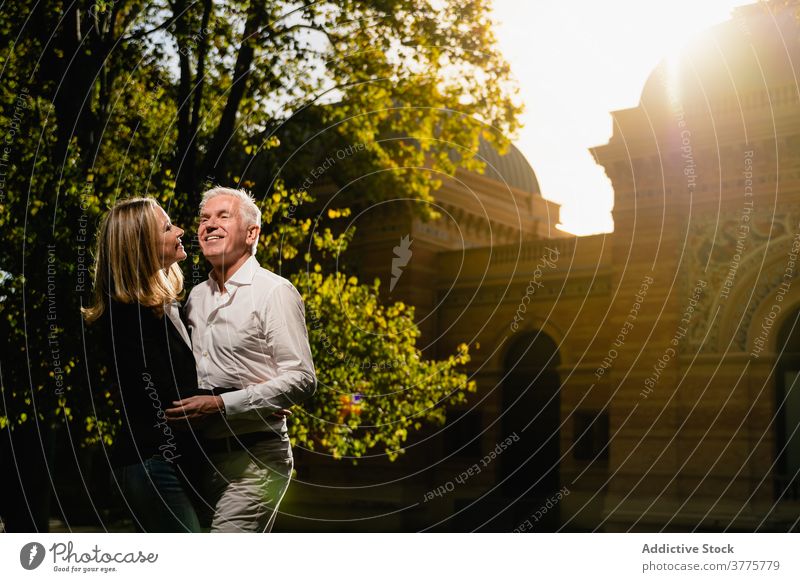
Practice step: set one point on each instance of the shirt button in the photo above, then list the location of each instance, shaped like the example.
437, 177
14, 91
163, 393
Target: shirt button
205, 354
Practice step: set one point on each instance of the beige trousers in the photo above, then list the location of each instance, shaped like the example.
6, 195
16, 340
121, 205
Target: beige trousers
245, 487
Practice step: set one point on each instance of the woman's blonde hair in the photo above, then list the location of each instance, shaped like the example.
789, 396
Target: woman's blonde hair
127, 264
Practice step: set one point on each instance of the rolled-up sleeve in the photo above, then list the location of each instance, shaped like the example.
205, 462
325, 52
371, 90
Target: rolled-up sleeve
284, 327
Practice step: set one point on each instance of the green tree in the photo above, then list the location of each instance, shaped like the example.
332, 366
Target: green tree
374, 386
116, 97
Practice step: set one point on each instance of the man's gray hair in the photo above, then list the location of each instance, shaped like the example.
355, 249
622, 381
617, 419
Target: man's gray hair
247, 206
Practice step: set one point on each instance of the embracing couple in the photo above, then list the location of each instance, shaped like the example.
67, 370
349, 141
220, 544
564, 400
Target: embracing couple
205, 390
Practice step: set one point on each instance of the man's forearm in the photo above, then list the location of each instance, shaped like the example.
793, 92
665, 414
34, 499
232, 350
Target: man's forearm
281, 392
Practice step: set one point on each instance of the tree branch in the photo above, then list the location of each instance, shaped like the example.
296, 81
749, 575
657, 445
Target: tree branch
316, 28
166, 24
184, 144
215, 157
202, 52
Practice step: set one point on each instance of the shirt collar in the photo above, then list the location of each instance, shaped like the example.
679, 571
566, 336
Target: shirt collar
243, 275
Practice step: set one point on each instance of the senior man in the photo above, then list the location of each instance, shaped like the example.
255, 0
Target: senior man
251, 346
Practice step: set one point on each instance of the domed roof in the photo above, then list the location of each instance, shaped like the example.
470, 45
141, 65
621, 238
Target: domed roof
758, 49
512, 168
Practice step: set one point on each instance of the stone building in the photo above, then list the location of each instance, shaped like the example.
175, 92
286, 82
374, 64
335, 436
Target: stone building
645, 377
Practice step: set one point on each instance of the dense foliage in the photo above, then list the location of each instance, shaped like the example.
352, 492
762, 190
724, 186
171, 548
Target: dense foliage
104, 99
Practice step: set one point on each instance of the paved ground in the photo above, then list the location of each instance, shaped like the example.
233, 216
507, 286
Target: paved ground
123, 526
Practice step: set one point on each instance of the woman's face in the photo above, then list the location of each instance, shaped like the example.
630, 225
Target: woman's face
169, 240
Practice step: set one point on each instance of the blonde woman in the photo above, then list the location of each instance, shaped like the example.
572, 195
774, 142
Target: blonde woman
137, 286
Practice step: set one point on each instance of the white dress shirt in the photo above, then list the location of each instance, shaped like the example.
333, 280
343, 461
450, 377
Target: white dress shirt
253, 338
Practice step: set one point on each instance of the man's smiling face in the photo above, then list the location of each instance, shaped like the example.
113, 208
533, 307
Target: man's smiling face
224, 237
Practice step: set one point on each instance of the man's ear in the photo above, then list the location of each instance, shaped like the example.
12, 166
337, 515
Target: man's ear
252, 233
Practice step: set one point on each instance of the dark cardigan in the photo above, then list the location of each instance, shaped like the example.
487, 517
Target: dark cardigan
151, 366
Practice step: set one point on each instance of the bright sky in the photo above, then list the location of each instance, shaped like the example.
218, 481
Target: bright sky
576, 61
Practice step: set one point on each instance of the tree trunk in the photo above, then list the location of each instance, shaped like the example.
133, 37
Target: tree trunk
214, 163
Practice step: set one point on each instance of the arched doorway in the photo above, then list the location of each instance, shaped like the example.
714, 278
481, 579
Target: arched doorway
531, 410
787, 403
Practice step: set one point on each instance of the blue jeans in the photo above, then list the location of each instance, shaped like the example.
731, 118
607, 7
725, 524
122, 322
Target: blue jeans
158, 496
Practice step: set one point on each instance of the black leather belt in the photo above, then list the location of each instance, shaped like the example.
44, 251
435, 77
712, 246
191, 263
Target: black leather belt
239, 442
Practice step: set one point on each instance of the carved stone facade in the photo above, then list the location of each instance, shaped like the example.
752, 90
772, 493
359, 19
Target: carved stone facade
757, 263
650, 352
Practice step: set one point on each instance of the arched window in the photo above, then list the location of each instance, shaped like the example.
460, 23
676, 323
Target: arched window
531, 410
